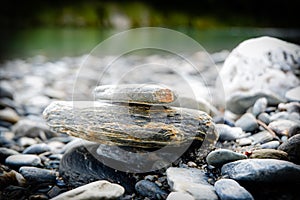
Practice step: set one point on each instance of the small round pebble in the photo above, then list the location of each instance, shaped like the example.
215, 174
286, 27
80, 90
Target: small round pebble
270, 145
221, 156
37, 149
228, 189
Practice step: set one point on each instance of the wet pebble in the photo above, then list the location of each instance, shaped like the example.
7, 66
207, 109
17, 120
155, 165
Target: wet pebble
37, 149
94, 190
222, 156
247, 122
292, 147
23, 160
269, 153
38, 175
259, 106
262, 170
149, 189
230, 189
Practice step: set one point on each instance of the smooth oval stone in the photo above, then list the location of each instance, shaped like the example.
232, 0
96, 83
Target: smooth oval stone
269, 153
264, 117
270, 145
9, 115
227, 133
135, 93
125, 125
261, 137
23, 160
95, 190
259, 106
293, 94
37, 149
292, 147
38, 175
230, 189
262, 170
149, 189
221, 156
247, 122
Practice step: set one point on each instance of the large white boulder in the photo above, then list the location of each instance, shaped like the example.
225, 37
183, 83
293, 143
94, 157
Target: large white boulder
259, 67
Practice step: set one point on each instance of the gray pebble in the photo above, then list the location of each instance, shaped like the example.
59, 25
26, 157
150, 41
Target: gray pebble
264, 117
23, 160
6, 92
279, 115
294, 130
292, 147
149, 189
26, 141
247, 122
282, 126
227, 133
38, 175
261, 137
37, 149
228, 189
262, 170
179, 196
5, 152
270, 145
222, 156
259, 106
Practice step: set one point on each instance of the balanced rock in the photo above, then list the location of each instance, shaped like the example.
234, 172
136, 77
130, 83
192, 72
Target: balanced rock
135, 93
135, 125
259, 67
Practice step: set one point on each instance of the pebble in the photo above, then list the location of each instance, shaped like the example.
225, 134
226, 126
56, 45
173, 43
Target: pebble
222, 156
290, 107
6, 92
9, 115
293, 94
149, 189
5, 152
244, 141
37, 149
227, 133
96, 190
179, 196
192, 181
262, 170
26, 141
247, 122
269, 153
294, 130
282, 126
230, 189
270, 145
38, 175
292, 147
23, 160
279, 115
259, 106
264, 117
261, 137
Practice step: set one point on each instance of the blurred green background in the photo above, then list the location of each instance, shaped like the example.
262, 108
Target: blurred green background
72, 28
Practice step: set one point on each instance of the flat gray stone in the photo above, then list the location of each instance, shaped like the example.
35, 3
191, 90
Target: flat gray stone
5, 152
95, 190
135, 93
259, 106
23, 160
270, 145
149, 189
222, 156
228, 189
262, 170
227, 133
269, 153
282, 126
179, 196
38, 175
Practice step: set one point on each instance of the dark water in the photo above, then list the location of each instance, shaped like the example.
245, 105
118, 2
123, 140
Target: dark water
56, 42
